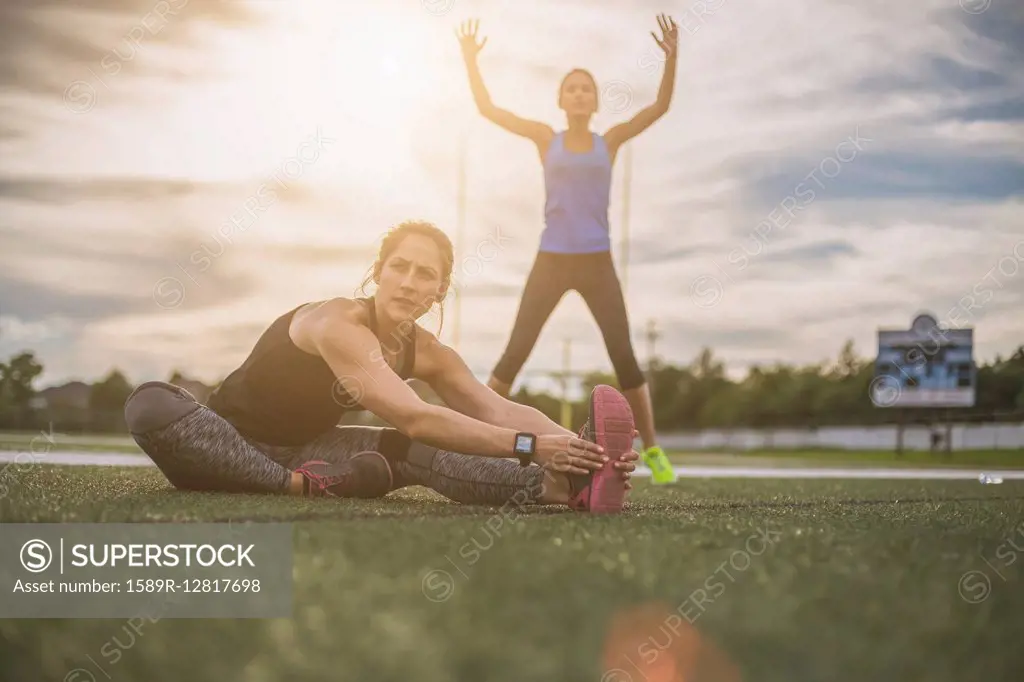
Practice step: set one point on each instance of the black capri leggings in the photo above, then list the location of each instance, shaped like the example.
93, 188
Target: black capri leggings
197, 449
593, 276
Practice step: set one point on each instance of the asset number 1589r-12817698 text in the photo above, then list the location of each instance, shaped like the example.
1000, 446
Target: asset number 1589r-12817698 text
211, 585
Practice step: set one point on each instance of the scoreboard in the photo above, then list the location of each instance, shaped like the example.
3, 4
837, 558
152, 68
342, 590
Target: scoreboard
924, 366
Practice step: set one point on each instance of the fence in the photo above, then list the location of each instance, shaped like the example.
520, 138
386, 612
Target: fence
915, 437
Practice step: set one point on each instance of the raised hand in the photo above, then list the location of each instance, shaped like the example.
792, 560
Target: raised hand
670, 34
467, 39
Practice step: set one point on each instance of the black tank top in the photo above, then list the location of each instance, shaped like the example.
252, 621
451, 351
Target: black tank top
282, 395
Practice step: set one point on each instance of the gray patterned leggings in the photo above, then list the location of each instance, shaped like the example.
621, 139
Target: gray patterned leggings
197, 449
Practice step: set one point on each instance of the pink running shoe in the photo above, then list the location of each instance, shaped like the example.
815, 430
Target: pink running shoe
365, 475
611, 426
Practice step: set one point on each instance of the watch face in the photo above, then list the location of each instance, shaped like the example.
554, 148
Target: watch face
524, 443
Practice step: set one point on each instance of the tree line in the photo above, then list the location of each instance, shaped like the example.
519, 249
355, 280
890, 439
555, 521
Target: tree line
700, 395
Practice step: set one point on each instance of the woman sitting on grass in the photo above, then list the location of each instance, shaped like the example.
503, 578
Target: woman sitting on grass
272, 425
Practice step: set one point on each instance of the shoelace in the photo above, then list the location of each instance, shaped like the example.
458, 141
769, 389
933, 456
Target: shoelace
322, 481
325, 481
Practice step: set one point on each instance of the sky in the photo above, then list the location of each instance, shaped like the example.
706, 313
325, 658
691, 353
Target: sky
175, 174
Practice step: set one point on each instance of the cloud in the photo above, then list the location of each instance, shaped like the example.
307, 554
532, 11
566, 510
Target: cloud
916, 220
53, 190
726, 337
47, 268
484, 290
323, 255
1009, 109
15, 331
882, 175
47, 46
650, 251
821, 254
38, 302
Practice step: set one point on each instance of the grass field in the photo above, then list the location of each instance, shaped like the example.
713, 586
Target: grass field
741, 579
41, 443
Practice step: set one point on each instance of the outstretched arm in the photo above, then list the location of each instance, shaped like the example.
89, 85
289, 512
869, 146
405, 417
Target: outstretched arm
446, 372
354, 355
540, 133
620, 134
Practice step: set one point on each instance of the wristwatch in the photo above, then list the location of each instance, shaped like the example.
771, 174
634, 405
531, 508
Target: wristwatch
525, 447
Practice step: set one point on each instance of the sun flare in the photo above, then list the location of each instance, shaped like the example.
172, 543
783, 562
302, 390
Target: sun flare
377, 81
370, 64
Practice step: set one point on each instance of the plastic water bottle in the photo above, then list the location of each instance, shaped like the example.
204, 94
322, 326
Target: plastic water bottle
985, 479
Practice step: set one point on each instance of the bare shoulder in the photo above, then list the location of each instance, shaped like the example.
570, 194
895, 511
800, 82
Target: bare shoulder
545, 134
612, 139
316, 321
432, 356
543, 140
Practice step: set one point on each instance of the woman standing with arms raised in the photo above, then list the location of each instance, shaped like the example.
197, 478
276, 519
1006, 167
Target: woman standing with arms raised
575, 247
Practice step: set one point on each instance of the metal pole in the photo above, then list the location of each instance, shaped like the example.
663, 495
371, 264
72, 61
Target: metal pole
459, 235
652, 337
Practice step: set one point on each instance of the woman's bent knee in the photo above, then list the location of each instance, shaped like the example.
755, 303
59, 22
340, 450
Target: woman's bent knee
155, 405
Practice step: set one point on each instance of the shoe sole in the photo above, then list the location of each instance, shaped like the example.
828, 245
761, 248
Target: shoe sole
613, 429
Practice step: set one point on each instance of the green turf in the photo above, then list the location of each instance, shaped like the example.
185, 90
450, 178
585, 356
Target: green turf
1009, 459
859, 582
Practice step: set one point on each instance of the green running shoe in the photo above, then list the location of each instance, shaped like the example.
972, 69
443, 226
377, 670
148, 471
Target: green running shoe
661, 468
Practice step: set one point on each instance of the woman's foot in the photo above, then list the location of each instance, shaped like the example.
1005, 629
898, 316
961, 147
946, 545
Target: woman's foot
661, 468
365, 475
611, 426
